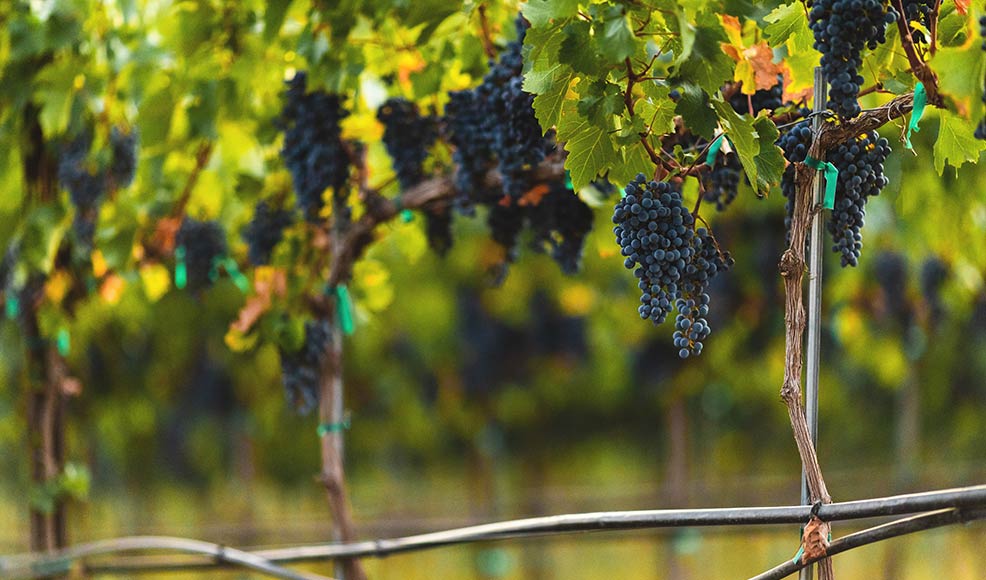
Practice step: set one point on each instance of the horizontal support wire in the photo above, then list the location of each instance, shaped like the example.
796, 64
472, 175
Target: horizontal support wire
886, 531
36, 566
63, 562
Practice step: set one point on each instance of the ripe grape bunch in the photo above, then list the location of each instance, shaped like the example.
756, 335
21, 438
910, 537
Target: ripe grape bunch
860, 164
673, 262
87, 182
794, 143
313, 149
918, 11
265, 231
561, 221
300, 370
842, 29
203, 244
722, 181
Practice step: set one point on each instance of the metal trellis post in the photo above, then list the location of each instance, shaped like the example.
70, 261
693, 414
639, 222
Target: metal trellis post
814, 295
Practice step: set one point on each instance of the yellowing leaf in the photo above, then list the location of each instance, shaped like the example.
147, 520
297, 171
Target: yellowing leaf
57, 286
112, 289
577, 299
156, 280
239, 342
733, 28
98, 264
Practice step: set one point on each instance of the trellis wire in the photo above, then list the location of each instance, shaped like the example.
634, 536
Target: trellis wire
28, 565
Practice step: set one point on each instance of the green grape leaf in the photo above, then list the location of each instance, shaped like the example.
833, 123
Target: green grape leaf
657, 110
956, 142
707, 65
579, 49
741, 134
618, 41
590, 147
786, 21
960, 76
635, 160
274, 17
599, 101
549, 101
541, 12
769, 160
693, 106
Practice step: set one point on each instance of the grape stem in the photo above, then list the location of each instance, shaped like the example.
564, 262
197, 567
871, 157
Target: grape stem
918, 66
484, 28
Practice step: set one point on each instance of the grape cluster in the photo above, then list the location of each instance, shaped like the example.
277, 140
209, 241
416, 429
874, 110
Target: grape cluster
795, 144
87, 183
918, 11
673, 262
203, 244
300, 371
265, 231
407, 136
981, 127
123, 163
761, 100
721, 183
495, 122
934, 273
842, 29
313, 150
860, 165
438, 229
560, 223
890, 272
469, 129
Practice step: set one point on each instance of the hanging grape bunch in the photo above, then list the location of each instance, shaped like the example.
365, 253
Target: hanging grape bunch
842, 29
199, 246
981, 127
313, 150
672, 261
88, 182
265, 231
860, 165
300, 370
407, 137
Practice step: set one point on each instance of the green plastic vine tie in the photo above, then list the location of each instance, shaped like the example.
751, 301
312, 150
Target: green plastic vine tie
324, 429
238, 278
12, 306
63, 341
831, 179
710, 157
406, 215
344, 307
181, 270
568, 180
920, 100
797, 557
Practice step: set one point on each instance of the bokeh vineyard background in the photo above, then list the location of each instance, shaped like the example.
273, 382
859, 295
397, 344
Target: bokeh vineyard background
468, 402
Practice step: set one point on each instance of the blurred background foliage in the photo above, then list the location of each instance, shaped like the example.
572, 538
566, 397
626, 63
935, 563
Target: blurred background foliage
468, 402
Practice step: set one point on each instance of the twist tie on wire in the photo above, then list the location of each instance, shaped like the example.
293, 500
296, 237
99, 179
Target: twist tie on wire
324, 429
181, 269
920, 100
713, 152
568, 180
797, 557
344, 309
63, 340
831, 178
812, 514
12, 306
